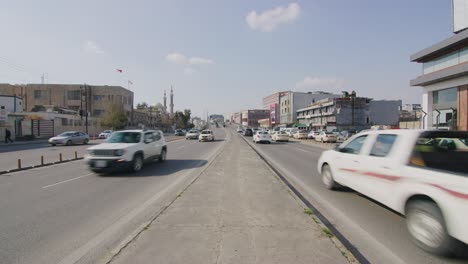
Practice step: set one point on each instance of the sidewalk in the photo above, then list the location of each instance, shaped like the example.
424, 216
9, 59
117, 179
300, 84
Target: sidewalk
26, 142
237, 211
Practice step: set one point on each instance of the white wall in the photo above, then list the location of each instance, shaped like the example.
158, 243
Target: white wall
9, 103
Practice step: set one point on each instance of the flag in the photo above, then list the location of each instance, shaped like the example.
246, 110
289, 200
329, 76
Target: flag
130, 82
119, 70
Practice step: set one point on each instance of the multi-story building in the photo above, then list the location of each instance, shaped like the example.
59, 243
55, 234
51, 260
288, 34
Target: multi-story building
290, 102
249, 118
444, 80
37, 97
272, 102
236, 118
350, 112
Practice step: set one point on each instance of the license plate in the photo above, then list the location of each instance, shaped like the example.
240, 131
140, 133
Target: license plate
100, 163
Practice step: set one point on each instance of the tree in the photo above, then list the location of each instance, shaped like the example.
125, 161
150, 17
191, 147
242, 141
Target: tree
142, 105
114, 117
182, 118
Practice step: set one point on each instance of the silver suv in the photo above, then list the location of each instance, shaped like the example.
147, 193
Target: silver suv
127, 149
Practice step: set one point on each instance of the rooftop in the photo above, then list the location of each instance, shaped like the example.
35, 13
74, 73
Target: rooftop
446, 46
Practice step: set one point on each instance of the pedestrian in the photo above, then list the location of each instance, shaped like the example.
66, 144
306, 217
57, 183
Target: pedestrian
8, 136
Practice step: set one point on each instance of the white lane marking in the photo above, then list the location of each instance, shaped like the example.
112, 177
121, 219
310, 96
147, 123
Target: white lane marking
303, 150
69, 180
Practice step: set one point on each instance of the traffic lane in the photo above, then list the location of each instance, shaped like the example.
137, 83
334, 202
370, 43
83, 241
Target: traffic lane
379, 233
32, 156
42, 225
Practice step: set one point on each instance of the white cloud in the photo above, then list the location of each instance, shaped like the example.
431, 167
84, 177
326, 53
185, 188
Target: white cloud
322, 83
91, 47
270, 19
178, 58
200, 61
189, 71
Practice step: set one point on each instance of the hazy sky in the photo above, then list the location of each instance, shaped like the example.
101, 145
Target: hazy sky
222, 56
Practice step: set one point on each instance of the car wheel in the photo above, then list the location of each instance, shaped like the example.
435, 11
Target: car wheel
68, 143
426, 226
137, 163
53, 145
327, 178
85, 142
163, 155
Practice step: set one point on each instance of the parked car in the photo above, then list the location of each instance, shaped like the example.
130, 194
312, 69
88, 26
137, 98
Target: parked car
290, 131
192, 134
179, 132
69, 138
105, 134
255, 130
248, 132
312, 134
239, 129
262, 136
420, 174
127, 149
206, 135
344, 135
336, 131
326, 136
279, 136
300, 134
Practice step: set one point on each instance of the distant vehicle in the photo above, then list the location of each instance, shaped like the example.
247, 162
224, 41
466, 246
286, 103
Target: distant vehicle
300, 134
420, 174
336, 131
105, 134
239, 129
262, 136
325, 136
313, 134
206, 135
192, 134
255, 130
69, 138
127, 149
278, 136
248, 132
290, 131
344, 135
179, 132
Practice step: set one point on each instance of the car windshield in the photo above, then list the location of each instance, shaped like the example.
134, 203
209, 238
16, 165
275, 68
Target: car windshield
66, 134
444, 150
125, 137
193, 131
107, 131
328, 133
206, 132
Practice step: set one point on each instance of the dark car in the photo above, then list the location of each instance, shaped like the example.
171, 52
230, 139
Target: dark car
248, 132
344, 135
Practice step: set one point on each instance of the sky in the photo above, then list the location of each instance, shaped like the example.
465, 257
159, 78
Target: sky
222, 56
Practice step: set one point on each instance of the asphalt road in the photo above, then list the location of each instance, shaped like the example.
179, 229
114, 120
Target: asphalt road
30, 154
66, 214
379, 234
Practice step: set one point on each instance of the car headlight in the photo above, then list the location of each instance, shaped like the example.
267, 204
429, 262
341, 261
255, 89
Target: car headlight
119, 152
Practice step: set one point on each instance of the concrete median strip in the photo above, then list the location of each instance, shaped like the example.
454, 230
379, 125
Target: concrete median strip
236, 211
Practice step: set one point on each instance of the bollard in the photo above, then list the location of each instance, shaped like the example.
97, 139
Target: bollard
76, 155
60, 157
19, 163
42, 160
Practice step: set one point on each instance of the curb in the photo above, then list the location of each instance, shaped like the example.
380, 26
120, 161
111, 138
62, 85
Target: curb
349, 251
39, 166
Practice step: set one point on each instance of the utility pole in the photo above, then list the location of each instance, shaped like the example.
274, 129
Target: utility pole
86, 105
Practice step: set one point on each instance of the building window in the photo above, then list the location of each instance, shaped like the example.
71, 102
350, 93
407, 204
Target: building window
97, 97
444, 96
38, 94
74, 95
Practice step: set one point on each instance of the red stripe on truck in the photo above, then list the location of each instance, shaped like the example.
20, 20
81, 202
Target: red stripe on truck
451, 192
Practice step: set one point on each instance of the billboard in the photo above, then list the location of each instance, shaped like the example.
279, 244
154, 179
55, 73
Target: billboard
273, 114
460, 15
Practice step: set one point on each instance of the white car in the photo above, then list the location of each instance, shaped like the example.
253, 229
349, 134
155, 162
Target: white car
312, 134
420, 174
262, 136
206, 135
105, 134
192, 134
300, 134
325, 136
239, 129
291, 131
127, 149
279, 136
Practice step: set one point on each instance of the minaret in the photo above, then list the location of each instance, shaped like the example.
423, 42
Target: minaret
172, 102
165, 99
